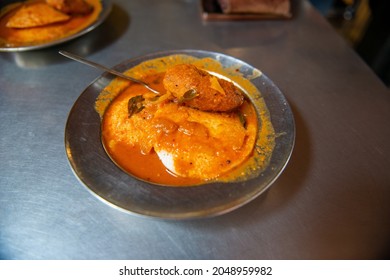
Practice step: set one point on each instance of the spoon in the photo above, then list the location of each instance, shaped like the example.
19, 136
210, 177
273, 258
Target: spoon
101, 67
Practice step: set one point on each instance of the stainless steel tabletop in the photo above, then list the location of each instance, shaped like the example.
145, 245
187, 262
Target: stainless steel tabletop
331, 202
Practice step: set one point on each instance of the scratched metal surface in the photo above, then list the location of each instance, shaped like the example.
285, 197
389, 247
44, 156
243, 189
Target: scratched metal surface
331, 202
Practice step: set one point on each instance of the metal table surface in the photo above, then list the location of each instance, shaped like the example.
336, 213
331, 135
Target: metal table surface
331, 202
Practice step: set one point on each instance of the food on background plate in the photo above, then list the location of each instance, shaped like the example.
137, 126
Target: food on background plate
170, 139
71, 6
37, 22
37, 14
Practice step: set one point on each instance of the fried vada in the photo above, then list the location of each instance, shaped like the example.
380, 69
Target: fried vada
198, 89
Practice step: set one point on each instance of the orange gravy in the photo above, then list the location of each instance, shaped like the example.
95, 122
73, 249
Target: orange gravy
16, 37
148, 166
144, 163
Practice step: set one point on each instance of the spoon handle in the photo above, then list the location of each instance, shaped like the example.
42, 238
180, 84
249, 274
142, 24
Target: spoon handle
102, 67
